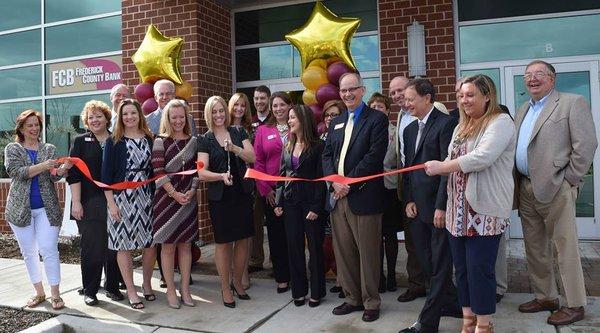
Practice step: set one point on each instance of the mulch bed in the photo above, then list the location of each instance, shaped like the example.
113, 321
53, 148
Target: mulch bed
68, 247
12, 320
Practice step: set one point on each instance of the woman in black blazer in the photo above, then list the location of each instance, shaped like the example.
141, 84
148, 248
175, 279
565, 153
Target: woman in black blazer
303, 203
88, 206
225, 150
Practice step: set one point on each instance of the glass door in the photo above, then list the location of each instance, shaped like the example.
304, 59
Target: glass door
578, 78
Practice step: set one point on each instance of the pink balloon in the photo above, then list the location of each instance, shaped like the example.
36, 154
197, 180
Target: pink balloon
317, 112
144, 91
321, 128
336, 70
327, 92
149, 106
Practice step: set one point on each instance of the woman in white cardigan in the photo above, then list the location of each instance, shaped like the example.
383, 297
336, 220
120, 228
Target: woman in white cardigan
480, 194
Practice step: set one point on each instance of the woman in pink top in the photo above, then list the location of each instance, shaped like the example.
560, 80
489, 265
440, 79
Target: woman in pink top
268, 145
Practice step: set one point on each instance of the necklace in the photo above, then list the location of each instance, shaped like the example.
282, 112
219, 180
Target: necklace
182, 158
282, 128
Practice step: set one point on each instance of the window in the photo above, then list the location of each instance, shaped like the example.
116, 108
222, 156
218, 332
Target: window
81, 38
58, 10
283, 61
8, 115
20, 47
20, 82
493, 73
272, 24
19, 13
470, 10
63, 121
532, 39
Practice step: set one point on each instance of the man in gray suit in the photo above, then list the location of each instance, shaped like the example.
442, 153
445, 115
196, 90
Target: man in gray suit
555, 148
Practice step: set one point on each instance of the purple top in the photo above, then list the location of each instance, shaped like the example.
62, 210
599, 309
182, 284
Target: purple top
295, 162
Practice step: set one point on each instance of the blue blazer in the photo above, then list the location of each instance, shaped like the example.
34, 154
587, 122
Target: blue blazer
114, 161
364, 157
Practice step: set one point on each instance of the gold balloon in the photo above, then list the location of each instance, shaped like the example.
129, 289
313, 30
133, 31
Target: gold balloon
319, 63
158, 57
323, 36
309, 97
313, 77
183, 90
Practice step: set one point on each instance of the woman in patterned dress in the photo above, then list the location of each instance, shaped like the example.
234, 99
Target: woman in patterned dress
480, 194
127, 157
175, 209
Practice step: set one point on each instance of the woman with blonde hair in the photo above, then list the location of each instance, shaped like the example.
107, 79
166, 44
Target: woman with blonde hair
225, 151
175, 207
480, 194
127, 157
88, 206
32, 208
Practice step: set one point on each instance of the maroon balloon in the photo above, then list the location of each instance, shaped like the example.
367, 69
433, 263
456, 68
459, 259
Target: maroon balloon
143, 91
149, 106
336, 70
317, 112
321, 128
327, 92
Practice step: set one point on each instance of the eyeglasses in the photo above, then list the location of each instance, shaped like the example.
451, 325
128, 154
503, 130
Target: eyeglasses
350, 90
537, 75
331, 115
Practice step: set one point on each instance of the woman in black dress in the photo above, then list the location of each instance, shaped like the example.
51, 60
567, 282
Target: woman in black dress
225, 150
88, 206
304, 205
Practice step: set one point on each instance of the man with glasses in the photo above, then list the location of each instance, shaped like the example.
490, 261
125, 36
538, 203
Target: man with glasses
355, 147
555, 149
417, 283
164, 92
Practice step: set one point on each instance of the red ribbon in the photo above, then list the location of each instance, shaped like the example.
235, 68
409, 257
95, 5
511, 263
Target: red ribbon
251, 173
77, 162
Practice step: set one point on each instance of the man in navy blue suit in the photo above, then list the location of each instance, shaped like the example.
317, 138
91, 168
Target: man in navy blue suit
356, 145
426, 139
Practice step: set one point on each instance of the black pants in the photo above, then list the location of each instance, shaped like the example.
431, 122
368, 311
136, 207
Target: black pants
433, 252
277, 245
296, 227
95, 255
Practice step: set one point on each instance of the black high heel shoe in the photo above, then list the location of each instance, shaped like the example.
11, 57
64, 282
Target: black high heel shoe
227, 304
299, 301
281, 290
234, 291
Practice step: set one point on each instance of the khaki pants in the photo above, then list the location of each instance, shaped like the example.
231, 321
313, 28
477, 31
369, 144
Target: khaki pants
555, 222
501, 270
356, 244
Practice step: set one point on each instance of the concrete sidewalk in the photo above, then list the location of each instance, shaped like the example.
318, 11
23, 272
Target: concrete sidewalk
266, 312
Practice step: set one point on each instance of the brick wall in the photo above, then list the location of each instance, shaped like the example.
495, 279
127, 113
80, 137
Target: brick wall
5, 185
436, 15
206, 55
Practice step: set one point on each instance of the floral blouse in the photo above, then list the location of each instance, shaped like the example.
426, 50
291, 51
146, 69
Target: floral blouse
461, 219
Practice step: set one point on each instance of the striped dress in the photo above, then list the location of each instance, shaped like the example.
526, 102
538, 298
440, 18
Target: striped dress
172, 222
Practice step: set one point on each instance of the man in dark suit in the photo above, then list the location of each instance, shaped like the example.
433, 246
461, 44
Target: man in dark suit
356, 145
426, 139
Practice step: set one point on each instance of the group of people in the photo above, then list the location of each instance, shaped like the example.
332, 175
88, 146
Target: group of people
475, 164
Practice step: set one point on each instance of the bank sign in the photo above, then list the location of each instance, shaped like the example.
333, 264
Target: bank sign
83, 75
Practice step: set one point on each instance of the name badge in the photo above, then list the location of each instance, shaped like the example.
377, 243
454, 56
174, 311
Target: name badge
88, 139
271, 137
338, 126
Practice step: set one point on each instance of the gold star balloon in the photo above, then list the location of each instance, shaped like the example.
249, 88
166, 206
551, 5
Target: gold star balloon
323, 36
158, 57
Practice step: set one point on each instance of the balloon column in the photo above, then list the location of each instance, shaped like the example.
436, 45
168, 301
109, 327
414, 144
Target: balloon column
324, 46
158, 57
